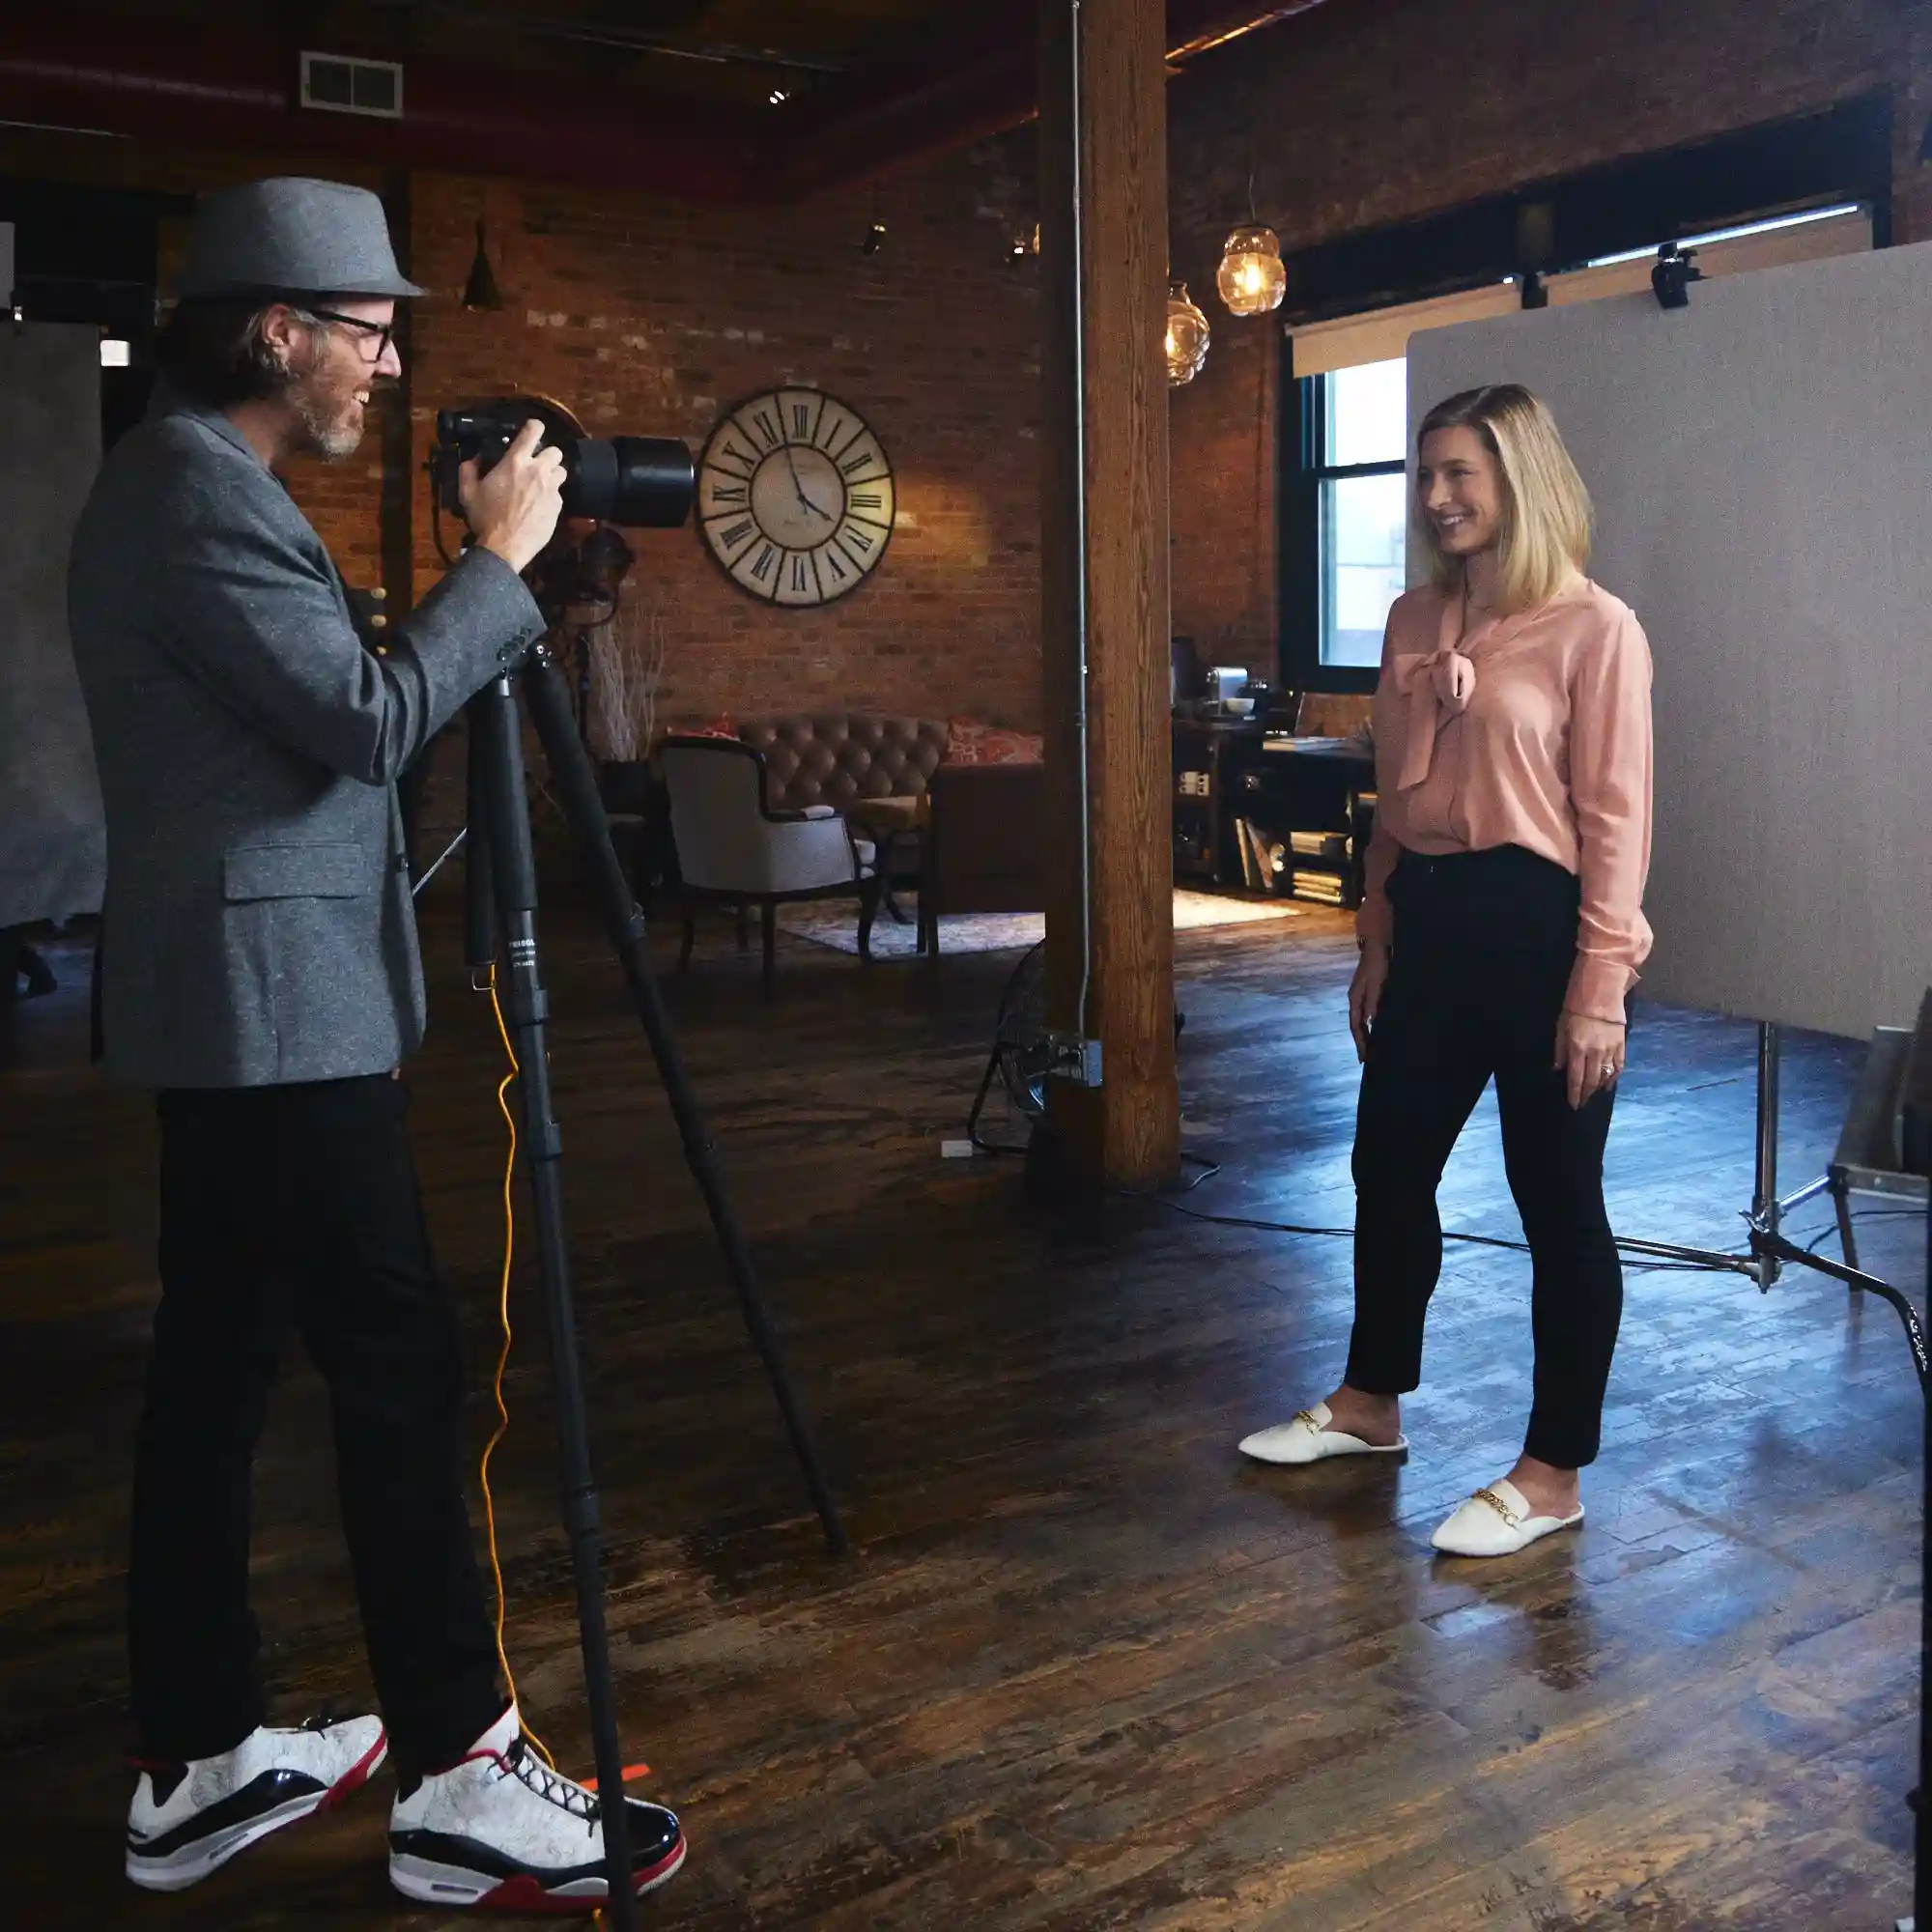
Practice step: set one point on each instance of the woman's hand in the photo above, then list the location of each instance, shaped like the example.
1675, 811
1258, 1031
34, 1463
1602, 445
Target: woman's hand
1365, 993
1589, 1054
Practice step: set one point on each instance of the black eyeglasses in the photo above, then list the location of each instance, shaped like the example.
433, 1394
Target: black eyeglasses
382, 331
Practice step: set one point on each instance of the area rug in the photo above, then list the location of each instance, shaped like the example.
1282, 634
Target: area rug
835, 924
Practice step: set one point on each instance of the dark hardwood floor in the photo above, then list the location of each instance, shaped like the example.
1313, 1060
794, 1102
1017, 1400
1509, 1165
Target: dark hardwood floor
1085, 1668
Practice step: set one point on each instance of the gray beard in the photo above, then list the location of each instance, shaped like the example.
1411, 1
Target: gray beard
331, 439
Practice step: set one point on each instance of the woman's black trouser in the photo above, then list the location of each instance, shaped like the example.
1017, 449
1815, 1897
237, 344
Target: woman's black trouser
1484, 947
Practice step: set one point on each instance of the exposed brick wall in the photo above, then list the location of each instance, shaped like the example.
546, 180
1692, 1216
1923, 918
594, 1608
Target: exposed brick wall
1366, 112
650, 317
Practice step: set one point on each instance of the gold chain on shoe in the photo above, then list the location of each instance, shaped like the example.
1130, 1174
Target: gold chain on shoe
1501, 1507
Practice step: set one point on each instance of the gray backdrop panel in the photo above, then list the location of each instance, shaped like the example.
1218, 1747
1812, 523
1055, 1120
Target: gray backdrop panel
1761, 464
52, 836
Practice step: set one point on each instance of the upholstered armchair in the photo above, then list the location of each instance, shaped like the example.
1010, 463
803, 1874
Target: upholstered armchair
734, 848
982, 844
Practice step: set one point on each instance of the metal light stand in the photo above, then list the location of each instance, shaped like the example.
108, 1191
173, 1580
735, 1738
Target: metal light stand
1768, 1251
1918, 1137
501, 907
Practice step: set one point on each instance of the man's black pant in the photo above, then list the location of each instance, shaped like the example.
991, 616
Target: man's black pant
1484, 945
302, 1202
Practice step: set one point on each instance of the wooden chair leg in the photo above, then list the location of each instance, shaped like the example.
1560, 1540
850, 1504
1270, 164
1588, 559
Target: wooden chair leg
690, 940
868, 911
770, 936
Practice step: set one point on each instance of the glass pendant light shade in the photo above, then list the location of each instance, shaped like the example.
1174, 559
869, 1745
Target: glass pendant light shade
1187, 336
1251, 278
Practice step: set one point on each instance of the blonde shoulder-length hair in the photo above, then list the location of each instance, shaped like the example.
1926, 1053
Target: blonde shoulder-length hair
1545, 507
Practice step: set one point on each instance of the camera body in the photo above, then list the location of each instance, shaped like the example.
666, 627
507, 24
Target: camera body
645, 482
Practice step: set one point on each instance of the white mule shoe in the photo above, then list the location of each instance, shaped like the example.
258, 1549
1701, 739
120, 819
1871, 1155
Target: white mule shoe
1498, 1521
1308, 1438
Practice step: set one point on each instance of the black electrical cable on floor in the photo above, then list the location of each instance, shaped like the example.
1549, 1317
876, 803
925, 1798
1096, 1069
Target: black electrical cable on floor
1165, 1199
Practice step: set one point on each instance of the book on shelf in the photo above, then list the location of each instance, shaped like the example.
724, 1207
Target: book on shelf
1327, 887
1319, 844
1264, 859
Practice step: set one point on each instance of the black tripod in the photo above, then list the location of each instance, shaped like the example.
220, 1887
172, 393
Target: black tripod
503, 901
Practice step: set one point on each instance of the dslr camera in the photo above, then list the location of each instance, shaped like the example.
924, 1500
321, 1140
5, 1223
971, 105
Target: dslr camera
645, 482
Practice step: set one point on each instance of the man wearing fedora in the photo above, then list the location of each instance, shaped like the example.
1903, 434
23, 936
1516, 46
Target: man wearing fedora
259, 970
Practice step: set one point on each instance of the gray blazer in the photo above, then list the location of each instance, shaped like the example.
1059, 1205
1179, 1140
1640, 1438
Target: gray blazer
258, 927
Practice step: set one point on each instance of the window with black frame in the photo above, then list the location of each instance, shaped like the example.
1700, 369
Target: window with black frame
1345, 531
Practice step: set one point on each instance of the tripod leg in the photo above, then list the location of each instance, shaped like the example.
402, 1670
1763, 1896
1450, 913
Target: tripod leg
1841, 1202
577, 787
480, 897
499, 768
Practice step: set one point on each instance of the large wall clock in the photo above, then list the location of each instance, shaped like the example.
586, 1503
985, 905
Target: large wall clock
795, 497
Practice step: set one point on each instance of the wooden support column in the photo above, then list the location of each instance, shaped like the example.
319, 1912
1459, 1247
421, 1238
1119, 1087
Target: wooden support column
400, 477
1126, 1131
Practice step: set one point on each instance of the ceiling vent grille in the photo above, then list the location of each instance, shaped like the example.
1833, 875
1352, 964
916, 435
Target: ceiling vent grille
337, 84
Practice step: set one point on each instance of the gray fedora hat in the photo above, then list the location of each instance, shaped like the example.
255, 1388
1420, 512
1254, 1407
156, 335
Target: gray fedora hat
292, 236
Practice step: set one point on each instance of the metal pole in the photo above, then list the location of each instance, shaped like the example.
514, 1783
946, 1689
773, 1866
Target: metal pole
1080, 615
1922, 1826
1766, 1211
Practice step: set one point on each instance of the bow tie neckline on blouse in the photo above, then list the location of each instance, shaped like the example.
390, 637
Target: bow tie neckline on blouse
1439, 684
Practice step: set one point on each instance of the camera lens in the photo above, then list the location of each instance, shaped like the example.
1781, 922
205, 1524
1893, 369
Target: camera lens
645, 482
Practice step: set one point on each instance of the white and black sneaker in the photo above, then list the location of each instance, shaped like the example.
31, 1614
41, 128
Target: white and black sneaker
190, 1819
503, 1832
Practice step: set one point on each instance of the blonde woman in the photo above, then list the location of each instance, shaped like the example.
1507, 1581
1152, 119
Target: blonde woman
1501, 930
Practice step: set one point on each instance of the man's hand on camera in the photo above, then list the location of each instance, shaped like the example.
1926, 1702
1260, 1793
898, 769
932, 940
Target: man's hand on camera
513, 510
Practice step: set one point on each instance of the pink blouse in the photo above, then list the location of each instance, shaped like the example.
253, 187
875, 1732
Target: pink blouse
1532, 730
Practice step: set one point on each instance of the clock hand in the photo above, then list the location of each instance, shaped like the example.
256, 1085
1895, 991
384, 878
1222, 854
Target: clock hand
798, 485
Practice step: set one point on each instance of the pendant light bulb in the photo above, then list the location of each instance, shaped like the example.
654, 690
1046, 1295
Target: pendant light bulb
1252, 279
1187, 336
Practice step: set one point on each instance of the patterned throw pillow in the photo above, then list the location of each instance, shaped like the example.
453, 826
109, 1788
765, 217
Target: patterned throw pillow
971, 742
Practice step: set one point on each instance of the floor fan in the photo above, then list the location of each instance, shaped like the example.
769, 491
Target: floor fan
1020, 1056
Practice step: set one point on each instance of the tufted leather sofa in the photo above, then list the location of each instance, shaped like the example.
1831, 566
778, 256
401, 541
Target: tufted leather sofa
834, 757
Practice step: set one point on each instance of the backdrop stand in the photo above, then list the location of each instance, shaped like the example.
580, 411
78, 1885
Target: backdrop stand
1916, 1150
1767, 1249
1911, 1060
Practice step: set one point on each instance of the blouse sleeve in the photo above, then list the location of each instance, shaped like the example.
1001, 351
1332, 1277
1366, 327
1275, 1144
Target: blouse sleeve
1609, 792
